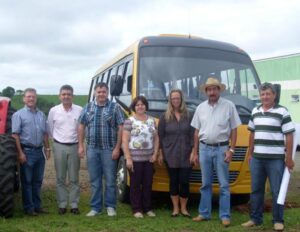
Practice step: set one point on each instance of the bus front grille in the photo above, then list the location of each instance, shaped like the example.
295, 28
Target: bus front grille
196, 176
239, 154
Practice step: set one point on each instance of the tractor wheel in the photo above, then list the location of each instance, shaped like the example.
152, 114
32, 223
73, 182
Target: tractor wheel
8, 160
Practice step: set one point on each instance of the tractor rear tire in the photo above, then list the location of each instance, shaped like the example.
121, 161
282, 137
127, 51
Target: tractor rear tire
8, 160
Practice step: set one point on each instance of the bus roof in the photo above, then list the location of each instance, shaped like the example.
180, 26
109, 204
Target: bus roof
172, 40
189, 41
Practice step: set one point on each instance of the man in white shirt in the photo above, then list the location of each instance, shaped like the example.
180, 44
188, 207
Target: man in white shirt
63, 126
215, 122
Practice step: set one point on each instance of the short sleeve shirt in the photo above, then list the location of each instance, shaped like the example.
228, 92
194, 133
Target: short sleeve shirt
141, 137
30, 126
102, 123
215, 122
269, 128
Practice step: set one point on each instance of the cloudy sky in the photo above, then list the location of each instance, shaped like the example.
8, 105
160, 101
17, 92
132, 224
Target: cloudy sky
47, 43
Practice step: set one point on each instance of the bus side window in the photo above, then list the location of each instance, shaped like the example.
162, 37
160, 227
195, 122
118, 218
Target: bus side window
100, 77
94, 82
125, 96
110, 73
91, 95
105, 77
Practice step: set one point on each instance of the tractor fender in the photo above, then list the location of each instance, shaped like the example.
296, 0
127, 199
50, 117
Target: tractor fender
4, 105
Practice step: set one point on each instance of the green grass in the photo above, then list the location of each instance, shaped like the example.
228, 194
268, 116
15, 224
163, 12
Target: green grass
125, 222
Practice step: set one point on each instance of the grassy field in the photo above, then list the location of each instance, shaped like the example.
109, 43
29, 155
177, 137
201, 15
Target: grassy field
124, 221
17, 102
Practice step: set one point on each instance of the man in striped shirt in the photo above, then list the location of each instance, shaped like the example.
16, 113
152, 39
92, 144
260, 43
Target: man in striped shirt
270, 148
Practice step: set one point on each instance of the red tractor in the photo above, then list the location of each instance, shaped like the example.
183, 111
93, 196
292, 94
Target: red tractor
8, 160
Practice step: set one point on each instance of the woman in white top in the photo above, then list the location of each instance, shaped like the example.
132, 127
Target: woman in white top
140, 145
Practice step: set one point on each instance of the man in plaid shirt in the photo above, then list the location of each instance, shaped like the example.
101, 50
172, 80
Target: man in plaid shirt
101, 123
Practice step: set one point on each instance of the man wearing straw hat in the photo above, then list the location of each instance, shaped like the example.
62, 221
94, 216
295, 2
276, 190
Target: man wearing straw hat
215, 122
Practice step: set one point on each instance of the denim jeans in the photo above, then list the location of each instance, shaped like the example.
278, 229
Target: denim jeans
213, 158
32, 174
260, 170
100, 163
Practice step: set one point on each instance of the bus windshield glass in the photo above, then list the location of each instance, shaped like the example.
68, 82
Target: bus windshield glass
162, 69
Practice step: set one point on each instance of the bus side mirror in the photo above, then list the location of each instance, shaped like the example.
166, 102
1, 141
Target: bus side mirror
129, 84
278, 91
116, 85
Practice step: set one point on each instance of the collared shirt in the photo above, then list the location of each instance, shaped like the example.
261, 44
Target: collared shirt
215, 122
62, 124
269, 129
102, 123
30, 126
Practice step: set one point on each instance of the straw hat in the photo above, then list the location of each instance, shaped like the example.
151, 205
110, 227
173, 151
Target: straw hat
212, 81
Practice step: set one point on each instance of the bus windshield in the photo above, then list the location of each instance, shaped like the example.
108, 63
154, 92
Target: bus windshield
162, 68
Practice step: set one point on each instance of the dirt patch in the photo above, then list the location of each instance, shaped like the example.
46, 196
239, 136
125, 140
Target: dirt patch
245, 208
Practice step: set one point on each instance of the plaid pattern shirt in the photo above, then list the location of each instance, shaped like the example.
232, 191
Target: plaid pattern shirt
102, 124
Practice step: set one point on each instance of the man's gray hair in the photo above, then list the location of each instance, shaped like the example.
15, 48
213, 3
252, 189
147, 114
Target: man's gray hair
266, 86
29, 90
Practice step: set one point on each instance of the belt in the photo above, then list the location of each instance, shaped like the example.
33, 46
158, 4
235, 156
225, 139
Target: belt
31, 146
225, 143
67, 144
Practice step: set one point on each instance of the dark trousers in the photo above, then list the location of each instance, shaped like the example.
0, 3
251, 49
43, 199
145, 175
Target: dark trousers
141, 186
179, 181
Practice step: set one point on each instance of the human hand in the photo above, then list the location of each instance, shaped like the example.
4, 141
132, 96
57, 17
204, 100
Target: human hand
289, 163
153, 158
129, 164
160, 160
81, 152
228, 156
48, 154
194, 160
249, 159
22, 158
115, 153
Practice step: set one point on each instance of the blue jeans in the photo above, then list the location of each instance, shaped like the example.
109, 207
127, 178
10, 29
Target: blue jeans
32, 174
99, 163
213, 158
260, 170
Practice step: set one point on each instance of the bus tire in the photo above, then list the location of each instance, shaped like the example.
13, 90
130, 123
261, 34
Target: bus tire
8, 160
122, 186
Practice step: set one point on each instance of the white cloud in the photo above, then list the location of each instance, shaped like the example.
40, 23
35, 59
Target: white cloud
45, 44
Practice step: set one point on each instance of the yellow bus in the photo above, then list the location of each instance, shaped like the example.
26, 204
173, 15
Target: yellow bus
154, 65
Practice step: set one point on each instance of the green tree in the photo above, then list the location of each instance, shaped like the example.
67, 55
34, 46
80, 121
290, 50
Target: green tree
19, 92
44, 105
8, 92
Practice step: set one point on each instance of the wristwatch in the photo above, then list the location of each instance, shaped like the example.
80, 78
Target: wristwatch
231, 150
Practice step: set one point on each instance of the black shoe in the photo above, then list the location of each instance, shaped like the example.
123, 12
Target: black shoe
31, 213
62, 211
75, 211
41, 211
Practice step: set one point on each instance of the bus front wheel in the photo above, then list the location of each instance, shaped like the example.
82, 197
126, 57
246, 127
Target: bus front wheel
123, 188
